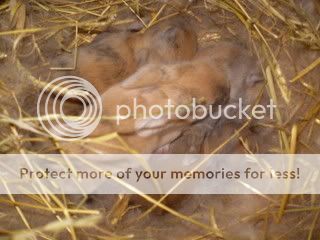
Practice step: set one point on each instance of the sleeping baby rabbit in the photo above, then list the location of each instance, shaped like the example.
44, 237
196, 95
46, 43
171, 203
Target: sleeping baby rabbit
155, 85
244, 78
112, 57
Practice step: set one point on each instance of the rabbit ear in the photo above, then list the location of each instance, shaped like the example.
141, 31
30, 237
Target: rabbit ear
150, 126
147, 76
161, 125
162, 128
171, 34
171, 94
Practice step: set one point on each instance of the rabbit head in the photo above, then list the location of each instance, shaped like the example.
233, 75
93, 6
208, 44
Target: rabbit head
169, 41
241, 68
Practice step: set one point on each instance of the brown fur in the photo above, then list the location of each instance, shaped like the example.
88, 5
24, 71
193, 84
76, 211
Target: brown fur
113, 57
155, 84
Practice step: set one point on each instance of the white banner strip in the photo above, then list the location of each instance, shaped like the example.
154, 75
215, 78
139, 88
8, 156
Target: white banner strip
160, 174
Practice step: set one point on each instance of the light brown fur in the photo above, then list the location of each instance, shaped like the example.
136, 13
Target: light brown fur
155, 84
112, 57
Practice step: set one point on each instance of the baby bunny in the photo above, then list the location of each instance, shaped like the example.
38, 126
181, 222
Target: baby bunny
167, 42
113, 57
246, 82
244, 79
155, 85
